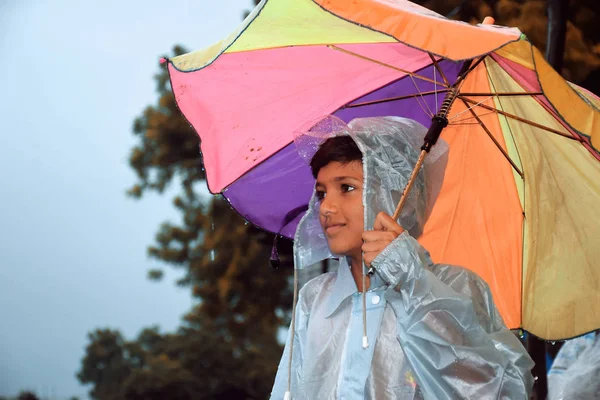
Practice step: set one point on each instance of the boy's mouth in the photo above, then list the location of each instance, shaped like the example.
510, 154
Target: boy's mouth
330, 229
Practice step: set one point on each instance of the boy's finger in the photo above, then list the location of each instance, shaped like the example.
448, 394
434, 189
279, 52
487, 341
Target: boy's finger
373, 247
369, 257
384, 222
378, 225
376, 236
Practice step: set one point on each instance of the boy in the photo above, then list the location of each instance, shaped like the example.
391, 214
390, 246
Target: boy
433, 330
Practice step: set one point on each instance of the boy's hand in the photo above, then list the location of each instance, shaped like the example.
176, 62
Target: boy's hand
385, 230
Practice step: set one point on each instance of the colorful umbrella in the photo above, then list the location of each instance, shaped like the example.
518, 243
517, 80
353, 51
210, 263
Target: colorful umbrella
520, 204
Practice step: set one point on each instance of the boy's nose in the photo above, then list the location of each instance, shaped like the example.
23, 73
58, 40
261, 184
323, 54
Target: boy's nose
328, 206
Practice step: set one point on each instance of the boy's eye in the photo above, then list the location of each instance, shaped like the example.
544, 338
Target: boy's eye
320, 194
347, 188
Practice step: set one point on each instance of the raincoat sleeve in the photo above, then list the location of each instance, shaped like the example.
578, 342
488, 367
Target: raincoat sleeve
280, 386
449, 328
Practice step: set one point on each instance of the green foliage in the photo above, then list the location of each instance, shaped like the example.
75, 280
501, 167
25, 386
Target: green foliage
168, 146
155, 274
27, 396
190, 364
227, 347
107, 363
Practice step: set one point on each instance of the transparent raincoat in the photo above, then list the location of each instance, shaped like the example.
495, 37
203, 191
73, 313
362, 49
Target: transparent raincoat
433, 330
575, 373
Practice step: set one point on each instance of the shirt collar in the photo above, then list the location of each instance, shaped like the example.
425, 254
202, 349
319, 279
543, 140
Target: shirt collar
344, 286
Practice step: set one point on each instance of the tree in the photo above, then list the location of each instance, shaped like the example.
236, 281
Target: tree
242, 302
224, 259
187, 365
106, 364
27, 396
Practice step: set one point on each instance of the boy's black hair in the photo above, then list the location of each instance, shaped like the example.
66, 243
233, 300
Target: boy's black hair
342, 149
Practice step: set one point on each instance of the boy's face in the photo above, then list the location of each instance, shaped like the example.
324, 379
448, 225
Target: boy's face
339, 188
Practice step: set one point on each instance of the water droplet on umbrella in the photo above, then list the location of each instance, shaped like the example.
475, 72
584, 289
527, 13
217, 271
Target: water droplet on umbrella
252, 149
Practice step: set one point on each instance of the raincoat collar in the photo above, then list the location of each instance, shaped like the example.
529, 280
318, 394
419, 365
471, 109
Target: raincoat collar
344, 287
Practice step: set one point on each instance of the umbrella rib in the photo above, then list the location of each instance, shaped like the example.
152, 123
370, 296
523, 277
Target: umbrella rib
430, 113
388, 99
503, 94
485, 128
453, 122
437, 106
412, 74
468, 108
437, 66
463, 123
549, 110
515, 117
430, 92
461, 78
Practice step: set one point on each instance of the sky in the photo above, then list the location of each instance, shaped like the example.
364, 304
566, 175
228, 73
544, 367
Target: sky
74, 75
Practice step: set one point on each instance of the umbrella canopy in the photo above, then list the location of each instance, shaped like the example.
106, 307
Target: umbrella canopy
520, 203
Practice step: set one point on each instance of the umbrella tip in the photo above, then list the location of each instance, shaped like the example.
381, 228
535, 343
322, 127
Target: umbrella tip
162, 60
488, 21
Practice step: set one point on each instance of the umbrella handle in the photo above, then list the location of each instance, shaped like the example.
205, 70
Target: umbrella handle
438, 122
409, 185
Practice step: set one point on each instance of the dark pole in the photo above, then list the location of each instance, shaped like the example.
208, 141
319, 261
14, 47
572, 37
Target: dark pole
555, 52
537, 350
557, 30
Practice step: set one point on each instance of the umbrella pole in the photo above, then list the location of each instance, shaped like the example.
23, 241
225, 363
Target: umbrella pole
409, 185
438, 123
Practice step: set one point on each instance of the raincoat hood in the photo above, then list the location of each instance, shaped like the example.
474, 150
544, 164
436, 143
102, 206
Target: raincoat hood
390, 149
